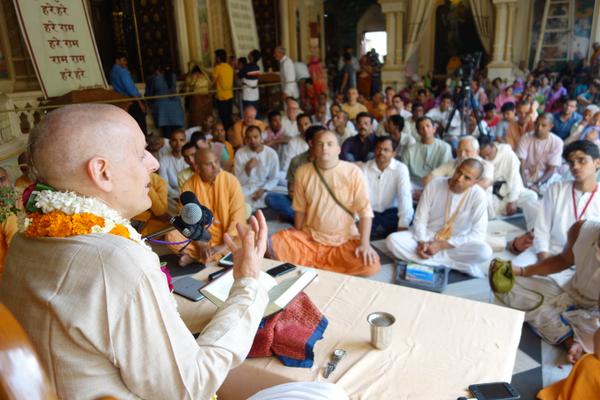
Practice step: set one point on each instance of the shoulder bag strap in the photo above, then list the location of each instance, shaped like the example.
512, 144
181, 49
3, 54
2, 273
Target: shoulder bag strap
538, 304
331, 191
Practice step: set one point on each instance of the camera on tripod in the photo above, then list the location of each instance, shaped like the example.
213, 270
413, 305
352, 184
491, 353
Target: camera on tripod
469, 64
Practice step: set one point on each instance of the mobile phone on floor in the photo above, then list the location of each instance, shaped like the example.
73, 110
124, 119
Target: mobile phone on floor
281, 269
189, 288
494, 391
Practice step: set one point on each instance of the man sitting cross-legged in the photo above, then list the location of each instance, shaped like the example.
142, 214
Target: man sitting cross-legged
221, 193
565, 203
324, 233
450, 223
256, 167
566, 314
388, 185
360, 147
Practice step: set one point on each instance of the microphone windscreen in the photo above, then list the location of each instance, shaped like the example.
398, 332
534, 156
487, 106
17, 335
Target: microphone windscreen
191, 213
188, 197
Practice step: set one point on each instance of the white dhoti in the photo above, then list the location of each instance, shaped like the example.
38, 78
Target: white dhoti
527, 201
470, 258
560, 316
302, 391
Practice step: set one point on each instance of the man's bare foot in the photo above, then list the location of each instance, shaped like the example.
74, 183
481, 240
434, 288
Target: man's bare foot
185, 260
575, 352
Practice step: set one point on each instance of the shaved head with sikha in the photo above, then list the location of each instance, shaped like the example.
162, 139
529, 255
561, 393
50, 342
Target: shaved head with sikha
96, 150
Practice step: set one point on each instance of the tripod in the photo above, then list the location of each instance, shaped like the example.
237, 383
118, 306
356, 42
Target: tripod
464, 100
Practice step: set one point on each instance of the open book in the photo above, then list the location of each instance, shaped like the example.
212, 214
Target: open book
280, 294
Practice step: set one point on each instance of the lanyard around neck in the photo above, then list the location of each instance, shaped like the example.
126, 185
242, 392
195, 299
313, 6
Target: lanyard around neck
578, 216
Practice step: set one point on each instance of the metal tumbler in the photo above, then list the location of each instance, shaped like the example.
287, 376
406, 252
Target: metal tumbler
381, 329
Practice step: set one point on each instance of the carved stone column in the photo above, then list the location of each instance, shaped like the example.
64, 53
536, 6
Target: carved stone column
502, 65
393, 72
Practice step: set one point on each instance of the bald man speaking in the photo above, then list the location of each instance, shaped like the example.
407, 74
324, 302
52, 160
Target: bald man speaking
90, 293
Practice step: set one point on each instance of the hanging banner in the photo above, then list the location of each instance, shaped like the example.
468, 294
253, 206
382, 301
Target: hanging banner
243, 26
59, 37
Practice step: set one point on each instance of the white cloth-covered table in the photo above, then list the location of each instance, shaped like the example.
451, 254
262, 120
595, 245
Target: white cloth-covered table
441, 344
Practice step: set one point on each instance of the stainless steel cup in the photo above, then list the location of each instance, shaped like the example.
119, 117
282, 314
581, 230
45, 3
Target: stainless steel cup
381, 324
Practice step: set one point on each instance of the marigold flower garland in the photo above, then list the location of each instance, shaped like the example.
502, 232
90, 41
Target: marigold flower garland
64, 214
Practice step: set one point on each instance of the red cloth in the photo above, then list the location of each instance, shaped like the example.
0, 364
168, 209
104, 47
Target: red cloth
291, 334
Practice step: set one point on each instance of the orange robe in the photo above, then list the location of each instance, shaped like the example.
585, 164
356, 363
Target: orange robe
515, 132
236, 133
154, 219
582, 383
8, 228
329, 236
225, 199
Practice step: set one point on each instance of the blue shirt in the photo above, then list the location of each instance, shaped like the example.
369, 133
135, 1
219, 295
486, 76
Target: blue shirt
121, 81
563, 128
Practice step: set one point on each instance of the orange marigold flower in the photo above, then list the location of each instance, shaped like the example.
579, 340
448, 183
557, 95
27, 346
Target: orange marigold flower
120, 230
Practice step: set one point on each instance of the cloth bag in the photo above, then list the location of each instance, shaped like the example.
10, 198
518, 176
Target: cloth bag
502, 280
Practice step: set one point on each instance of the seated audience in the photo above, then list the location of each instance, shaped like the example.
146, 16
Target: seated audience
509, 193
288, 121
156, 217
398, 102
236, 133
450, 224
352, 106
221, 147
282, 203
256, 167
388, 185
221, 193
505, 96
376, 107
508, 118
564, 203
188, 151
565, 119
360, 147
579, 126
489, 115
157, 145
320, 116
564, 317
171, 164
427, 154
540, 155
410, 125
324, 234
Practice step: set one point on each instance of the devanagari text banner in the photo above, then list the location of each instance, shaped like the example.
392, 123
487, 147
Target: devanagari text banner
243, 26
59, 37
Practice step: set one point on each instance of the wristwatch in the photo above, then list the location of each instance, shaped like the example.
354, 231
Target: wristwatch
337, 355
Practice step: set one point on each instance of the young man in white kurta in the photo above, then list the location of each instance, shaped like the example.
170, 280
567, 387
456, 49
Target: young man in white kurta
256, 167
565, 203
296, 145
567, 313
465, 250
512, 193
388, 186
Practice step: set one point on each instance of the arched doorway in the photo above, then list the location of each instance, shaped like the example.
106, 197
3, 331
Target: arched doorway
455, 33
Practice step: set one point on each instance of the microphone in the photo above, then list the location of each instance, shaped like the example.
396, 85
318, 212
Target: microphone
194, 219
192, 222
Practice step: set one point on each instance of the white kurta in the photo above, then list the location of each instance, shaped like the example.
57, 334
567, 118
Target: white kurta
468, 230
287, 73
390, 188
441, 118
506, 168
262, 176
99, 313
566, 311
170, 166
297, 145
